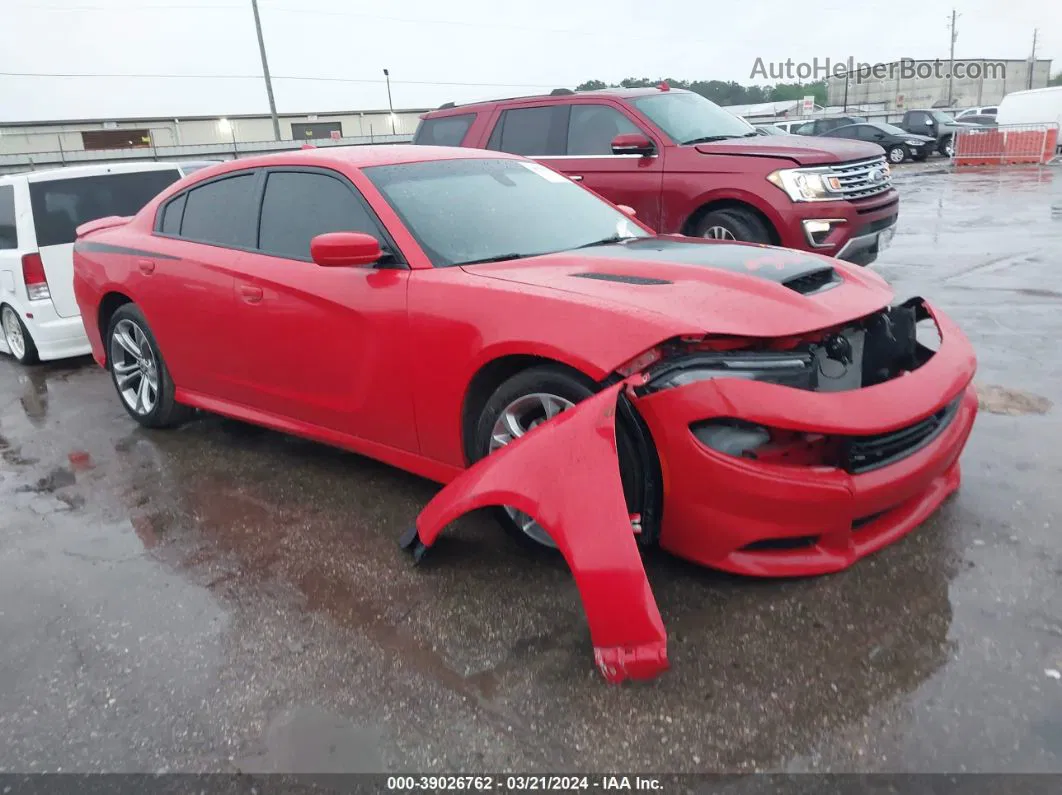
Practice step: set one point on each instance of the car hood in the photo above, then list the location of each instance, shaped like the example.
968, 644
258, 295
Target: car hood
741, 289
806, 150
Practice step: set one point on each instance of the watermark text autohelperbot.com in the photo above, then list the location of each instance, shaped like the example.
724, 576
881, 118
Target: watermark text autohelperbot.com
905, 69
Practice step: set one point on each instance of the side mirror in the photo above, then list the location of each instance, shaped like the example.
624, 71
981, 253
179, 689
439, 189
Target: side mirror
632, 144
930, 122
345, 249
627, 210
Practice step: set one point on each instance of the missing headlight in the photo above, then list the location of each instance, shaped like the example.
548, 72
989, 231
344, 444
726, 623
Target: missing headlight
796, 369
732, 437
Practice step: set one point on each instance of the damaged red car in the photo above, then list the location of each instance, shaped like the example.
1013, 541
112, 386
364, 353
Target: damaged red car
483, 321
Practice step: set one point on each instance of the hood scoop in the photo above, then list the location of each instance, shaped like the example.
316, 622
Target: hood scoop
621, 278
813, 281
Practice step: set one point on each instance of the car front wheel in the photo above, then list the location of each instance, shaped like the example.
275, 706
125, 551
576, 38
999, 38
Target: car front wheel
897, 154
946, 146
732, 224
139, 372
527, 400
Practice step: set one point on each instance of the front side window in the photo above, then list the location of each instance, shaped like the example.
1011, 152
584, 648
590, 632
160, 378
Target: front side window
8, 227
444, 131
60, 206
298, 206
591, 129
475, 210
222, 213
689, 118
805, 129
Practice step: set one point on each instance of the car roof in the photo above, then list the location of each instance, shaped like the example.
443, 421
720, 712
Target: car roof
95, 170
560, 95
356, 156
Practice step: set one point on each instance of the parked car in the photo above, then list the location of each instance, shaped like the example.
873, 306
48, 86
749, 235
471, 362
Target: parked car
770, 129
39, 211
1037, 106
987, 110
825, 124
787, 126
983, 121
689, 167
899, 145
937, 125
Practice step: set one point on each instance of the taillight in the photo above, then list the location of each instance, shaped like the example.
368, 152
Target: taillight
34, 277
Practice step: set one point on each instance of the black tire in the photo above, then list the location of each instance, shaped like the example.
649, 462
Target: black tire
571, 386
943, 144
896, 154
742, 224
29, 355
166, 412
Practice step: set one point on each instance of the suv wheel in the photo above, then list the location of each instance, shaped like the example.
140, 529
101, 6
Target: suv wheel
946, 147
732, 224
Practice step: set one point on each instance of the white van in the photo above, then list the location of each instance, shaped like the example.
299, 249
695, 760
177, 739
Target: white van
39, 211
1036, 106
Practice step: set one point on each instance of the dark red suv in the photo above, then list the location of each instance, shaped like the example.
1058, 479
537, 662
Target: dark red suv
689, 167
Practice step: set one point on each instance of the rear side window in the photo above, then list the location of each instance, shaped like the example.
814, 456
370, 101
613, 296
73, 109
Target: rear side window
222, 213
532, 131
444, 131
171, 216
61, 205
8, 230
298, 206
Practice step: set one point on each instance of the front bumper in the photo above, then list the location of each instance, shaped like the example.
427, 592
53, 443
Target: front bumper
776, 520
864, 230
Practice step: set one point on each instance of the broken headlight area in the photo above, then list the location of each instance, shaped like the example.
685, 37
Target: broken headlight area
853, 454
872, 350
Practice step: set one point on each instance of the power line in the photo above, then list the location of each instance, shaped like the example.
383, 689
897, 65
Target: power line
309, 78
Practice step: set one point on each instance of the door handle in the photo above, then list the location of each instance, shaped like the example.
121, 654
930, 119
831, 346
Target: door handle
146, 266
250, 293
575, 177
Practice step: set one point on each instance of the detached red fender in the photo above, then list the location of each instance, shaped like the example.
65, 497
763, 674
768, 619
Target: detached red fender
565, 473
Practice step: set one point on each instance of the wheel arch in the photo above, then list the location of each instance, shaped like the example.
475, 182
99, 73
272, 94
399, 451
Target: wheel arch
109, 304
731, 203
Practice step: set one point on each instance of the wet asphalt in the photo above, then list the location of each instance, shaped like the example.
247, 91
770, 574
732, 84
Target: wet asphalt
222, 598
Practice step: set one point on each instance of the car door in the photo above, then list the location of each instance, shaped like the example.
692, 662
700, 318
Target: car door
322, 347
918, 123
543, 133
184, 284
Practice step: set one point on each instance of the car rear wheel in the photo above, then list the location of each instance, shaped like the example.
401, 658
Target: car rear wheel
528, 399
139, 372
897, 154
17, 336
732, 224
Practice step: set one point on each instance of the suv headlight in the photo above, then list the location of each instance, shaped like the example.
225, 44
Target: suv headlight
807, 184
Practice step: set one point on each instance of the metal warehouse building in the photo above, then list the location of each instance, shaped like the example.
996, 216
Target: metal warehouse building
909, 83
208, 132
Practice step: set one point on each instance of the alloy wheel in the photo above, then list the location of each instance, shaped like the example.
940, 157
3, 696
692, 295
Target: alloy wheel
16, 343
136, 373
896, 155
514, 421
719, 233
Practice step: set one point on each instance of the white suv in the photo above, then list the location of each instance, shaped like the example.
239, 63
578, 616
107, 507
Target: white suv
39, 213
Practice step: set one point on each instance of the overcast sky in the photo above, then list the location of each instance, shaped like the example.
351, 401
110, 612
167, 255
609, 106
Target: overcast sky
455, 50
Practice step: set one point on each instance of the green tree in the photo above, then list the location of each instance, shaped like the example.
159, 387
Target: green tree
1056, 80
592, 85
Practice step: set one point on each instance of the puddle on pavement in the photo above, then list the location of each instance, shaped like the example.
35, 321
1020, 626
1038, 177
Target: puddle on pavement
1010, 402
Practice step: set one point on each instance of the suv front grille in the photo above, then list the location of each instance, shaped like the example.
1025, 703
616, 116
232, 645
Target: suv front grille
858, 179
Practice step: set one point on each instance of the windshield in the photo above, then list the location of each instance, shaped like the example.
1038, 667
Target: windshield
690, 118
466, 211
891, 129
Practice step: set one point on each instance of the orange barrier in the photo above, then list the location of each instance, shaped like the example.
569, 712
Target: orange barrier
1007, 145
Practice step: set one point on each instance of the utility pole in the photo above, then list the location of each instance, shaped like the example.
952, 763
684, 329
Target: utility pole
1032, 58
951, 56
265, 71
390, 105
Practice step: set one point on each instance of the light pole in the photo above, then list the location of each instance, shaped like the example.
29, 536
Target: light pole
265, 71
390, 105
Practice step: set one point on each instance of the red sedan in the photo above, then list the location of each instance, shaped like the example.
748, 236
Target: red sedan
772, 412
